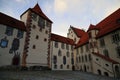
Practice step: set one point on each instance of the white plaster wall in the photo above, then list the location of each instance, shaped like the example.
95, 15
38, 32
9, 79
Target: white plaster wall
110, 46
38, 56
5, 56
80, 65
24, 17
60, 58
101, 65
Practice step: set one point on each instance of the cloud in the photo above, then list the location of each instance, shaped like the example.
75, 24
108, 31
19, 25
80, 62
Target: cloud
60, 6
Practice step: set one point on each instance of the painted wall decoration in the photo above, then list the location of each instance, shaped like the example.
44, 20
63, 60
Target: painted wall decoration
4, 42
15, 45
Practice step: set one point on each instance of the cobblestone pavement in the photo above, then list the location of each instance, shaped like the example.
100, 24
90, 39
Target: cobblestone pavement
50, 75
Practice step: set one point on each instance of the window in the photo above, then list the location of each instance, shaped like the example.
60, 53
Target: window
41, 22
20, 34
61, 66
45, 39
72, 55
105, 52
72, 61
64, 60
89, 34
89, 57
115, 38
48, 24
79, 59
82, 59
87, 47
107, 65
54, 59
15, 45
68, 54
37, 37
67, 66
118, 51
71, 47
34, 46
91, 45
34, 16
76, 59
97, 59
55, 66
59, 53
56, 44
34, 27
77, 51
4, 43
62, 45
9, 31
46, 32
102, 43
86, 58
81, 49
67, 46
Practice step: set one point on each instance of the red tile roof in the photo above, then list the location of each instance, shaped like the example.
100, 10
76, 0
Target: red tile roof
109, 24
9, 21
77, 31
36, 9
106, 58
83, 40
58, 38
92, 27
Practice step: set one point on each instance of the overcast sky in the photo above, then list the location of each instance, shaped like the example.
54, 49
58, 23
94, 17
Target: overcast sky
63, 13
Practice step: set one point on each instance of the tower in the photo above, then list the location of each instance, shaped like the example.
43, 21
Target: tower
37, 43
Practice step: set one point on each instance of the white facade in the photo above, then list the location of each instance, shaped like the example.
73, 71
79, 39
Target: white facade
6, 57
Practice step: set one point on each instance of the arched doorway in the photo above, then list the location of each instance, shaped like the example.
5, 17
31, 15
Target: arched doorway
85, 68
106, 74
99, 72
117, 71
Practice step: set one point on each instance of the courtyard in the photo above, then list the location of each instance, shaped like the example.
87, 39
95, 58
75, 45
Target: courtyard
50, 75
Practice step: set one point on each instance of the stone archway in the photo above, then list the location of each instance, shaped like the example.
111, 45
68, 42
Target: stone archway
99, 72
117, 71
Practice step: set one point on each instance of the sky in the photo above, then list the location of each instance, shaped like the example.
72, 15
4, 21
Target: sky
63, 13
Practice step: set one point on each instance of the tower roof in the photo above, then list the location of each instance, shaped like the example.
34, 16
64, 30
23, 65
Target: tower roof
36, 9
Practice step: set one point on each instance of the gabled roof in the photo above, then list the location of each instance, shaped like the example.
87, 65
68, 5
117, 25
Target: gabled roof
77, 31
36, 9
12, 22
58, 38
83, 40
92, 27
109, 24
105, 58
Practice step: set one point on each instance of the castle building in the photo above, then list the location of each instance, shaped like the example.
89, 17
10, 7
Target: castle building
12, 37
30, 43
62, 57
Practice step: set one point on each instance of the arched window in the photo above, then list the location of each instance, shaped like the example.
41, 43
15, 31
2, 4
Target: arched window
86, 58
89, 57
64, 60
61, 66
68, 54
59, 53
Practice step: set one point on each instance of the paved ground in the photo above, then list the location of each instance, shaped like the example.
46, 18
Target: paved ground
50, 75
